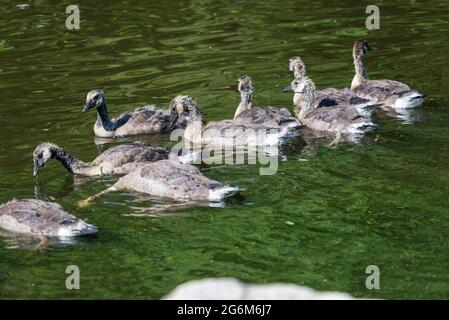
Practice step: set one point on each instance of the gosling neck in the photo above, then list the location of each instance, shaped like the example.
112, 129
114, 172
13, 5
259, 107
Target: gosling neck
103, 118
306, 98
246, 102
72, 164
307, 101
192, 133
360, 72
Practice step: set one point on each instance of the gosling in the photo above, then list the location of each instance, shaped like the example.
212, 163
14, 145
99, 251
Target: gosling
171, 179
340, 118
227, 133
118, 160
42, 219
392, 93
269, 116
331, 97
145, 120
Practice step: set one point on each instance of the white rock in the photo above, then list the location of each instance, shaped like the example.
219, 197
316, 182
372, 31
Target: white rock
233, 289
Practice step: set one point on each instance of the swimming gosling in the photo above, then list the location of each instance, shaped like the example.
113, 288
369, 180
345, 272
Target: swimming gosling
330, 97
392, 93
171, 179
117, 160
338, 118
143, 120
40, 218
225, 133
269, 116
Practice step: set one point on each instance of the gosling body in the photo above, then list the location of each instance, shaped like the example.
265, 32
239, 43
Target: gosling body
171, 179
145, 120
329, 97
336, 117
226, 133
268, 116
117, 160
391, 93
40, 218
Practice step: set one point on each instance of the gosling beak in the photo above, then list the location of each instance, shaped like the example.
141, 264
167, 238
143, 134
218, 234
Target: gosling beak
367, 48
288, 89
87, 106
35, 171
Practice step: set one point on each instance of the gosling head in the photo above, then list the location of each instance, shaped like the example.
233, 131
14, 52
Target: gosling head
41, 155
245, 85
360, 48
297, 66
301, 87
94, 99
184, 105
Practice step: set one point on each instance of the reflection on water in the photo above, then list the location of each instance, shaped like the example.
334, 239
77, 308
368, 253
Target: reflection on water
34, 243
316, 139
406, 116
162, 207
381, 202
69, 184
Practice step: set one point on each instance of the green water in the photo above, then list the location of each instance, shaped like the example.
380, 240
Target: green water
317, 223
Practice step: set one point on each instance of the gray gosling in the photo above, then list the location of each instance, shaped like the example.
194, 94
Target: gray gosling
341, 118
42, 219
330, 97
170, 179
143, 120
269, 116
392, 93
117, 160
226, 133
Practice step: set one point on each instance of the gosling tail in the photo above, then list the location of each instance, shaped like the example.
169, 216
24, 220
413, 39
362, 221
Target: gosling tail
218, 194
413, 100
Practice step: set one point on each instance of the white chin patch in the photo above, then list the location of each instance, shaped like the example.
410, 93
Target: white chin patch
46, 154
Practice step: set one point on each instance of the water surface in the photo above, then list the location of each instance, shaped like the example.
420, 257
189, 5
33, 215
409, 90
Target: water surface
320, 221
